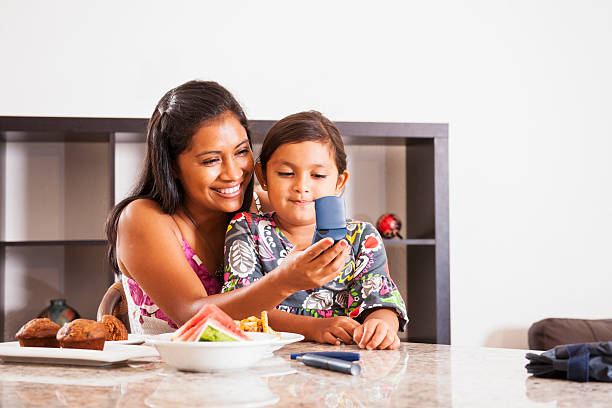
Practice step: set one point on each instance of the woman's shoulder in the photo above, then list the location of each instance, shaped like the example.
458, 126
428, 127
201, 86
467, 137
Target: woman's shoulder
144, 213
142, 207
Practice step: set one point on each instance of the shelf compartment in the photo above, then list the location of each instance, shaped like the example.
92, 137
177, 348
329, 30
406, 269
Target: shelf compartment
55, 191
36, 274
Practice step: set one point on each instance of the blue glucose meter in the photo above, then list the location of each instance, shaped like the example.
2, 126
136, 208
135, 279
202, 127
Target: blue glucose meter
331, 219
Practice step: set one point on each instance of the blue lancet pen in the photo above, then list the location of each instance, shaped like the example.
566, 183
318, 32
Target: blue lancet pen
330, 363
342, 355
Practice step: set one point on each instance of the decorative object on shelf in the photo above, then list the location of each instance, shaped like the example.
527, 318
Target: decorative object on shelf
389, 226
59, 312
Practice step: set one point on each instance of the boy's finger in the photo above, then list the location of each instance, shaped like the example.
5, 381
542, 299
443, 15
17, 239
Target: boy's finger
350, 325
327, 257
341, 334
368, 331
318, 248
331, 268
387, 341
338, 262
396, 343
377, 337
327, 277
357, 334
331, 339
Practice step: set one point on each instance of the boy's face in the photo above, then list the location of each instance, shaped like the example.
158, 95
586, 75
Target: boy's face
296, 175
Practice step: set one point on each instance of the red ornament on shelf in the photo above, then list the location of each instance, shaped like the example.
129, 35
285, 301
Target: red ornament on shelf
389, 226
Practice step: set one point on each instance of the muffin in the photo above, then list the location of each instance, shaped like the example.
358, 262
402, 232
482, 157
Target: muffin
82, 334
115, 330
38, 333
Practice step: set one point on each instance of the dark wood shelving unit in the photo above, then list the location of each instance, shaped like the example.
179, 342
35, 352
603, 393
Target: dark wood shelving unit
426, 219
81, 242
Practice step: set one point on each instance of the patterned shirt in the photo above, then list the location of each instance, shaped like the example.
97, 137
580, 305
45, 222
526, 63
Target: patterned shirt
254, 246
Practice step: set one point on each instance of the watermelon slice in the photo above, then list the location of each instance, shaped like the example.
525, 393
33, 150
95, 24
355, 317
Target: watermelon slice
189, 324
210, 324
212, 330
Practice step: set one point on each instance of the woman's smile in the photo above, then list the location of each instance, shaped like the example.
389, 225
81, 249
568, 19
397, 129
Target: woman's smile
229, 192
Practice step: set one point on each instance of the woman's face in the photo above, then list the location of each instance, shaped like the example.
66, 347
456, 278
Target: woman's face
296, 175
217, 167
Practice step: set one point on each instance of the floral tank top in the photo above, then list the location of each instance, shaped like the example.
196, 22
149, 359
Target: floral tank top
145, 316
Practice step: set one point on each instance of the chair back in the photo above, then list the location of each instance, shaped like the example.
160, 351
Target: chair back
114, 303
553, 331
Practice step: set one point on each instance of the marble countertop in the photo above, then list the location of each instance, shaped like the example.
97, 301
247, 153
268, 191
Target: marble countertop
417, 375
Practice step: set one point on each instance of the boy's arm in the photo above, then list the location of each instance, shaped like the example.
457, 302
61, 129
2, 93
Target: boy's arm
389, 316
372, 288
323, 330
379, 330
287, 322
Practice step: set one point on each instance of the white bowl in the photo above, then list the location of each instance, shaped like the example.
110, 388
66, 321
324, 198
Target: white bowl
286, 338
213, 355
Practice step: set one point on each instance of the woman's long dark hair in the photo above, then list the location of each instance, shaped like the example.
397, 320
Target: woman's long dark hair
176, 118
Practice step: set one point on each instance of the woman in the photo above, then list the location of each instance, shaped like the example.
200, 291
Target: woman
166, 238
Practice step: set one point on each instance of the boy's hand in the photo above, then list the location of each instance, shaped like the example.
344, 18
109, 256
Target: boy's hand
317, 265
333, 330
376, 334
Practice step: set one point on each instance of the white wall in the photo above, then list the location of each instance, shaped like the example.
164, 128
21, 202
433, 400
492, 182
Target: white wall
525, 86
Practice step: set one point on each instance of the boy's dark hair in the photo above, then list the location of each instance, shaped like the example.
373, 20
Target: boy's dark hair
176, 118
303, 127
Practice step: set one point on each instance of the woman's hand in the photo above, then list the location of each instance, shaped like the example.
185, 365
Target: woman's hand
333, 330
315, 266
376, 334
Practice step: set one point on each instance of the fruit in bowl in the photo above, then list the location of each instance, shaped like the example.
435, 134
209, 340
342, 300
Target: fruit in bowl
210, 342
210, 324
255, 324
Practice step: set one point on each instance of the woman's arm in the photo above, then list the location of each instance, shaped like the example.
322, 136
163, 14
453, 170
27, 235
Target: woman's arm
149, 251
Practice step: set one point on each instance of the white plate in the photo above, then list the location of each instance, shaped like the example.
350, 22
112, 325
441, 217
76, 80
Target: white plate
11, 352
286, 338
207, 356
132, 339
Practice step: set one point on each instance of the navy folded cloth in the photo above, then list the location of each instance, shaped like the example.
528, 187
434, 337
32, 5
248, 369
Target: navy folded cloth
577, 362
